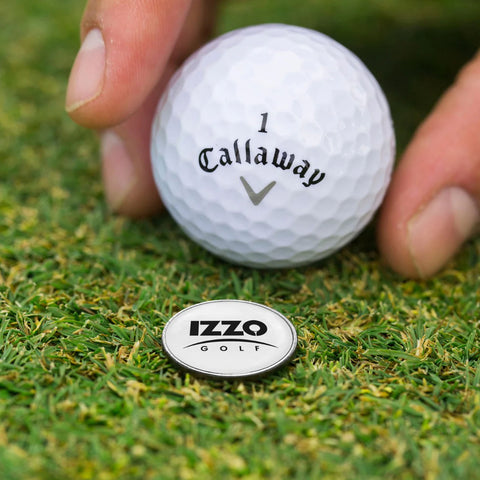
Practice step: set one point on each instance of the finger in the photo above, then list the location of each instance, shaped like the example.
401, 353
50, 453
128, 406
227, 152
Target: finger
126, 168
125, 48
433, 202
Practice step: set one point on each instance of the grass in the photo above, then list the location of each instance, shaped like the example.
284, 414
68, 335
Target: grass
386, 379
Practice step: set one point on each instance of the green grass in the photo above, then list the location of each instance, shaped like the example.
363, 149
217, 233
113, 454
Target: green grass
386, 379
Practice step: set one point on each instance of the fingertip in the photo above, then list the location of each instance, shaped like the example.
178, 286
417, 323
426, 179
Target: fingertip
423, 244
129, 189
87, 76
123, 55
438, 230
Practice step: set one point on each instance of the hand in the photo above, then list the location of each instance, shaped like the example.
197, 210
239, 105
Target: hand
129, 51
127, 56
433, 203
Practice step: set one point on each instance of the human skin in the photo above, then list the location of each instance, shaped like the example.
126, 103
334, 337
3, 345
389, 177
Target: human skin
129, 51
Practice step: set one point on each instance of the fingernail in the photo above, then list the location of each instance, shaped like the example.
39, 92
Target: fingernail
86, 78
119, 174
438, 230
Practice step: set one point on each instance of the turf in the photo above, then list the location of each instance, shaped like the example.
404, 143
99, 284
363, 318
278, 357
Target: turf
386, 379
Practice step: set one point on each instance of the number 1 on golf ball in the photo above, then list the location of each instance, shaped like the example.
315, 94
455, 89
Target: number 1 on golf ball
272, 146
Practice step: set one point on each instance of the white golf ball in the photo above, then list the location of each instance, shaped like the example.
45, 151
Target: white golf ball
272, 146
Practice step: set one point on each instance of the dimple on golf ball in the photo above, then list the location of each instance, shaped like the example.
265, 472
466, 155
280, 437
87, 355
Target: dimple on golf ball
272, 146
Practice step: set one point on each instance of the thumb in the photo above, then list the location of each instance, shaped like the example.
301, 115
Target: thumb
125, 49
433, 203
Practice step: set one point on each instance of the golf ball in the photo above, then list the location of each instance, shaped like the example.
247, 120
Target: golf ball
272, 146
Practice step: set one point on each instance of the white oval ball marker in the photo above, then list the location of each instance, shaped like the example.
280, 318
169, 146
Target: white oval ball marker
229, 339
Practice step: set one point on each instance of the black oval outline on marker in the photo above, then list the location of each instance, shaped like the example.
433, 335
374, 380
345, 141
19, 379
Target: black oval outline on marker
215, 375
